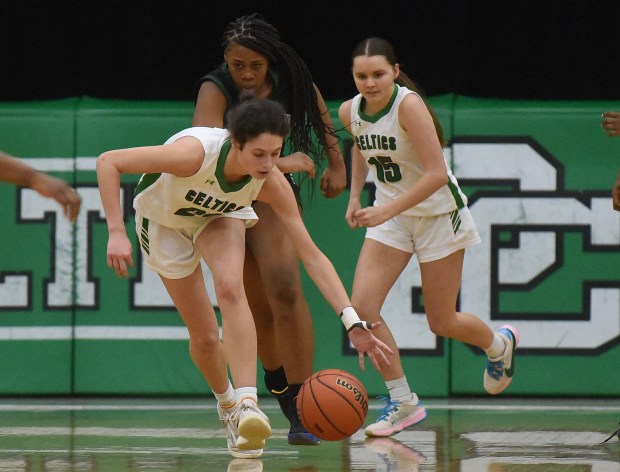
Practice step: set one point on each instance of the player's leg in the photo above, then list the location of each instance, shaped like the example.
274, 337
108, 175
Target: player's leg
196, 309
441, 281
268, 351
377, 270
278, 265
222, 245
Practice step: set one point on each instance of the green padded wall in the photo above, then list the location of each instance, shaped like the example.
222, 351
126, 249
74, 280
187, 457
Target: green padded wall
36, 256
538, 175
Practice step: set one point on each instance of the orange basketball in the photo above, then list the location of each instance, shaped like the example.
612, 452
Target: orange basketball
332, 404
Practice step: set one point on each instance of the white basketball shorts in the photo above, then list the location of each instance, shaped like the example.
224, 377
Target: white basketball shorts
430, 237
171, 252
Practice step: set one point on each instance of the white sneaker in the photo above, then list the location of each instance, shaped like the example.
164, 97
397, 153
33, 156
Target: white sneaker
253, 426
499, 372
230, 420
396, 416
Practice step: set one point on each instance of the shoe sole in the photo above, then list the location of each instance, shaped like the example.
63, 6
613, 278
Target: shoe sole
415, 419
253, 430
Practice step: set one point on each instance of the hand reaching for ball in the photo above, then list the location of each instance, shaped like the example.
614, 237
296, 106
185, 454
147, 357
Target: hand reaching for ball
367, 343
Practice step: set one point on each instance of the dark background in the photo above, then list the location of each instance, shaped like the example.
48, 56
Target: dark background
157, 50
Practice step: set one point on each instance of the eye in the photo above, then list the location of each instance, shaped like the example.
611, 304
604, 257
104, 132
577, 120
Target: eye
256, 66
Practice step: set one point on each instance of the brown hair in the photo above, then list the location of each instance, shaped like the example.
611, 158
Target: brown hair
380, 47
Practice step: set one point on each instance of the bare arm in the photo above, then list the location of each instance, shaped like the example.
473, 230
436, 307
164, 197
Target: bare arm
16, 172
210, 106
359, 170
182, 158
334, 178
277, 192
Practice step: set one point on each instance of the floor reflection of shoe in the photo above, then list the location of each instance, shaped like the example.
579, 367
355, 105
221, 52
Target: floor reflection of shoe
396, 416
392, 451
245, 465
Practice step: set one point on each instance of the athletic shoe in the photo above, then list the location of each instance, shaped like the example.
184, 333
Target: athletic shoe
245, 465
230, 420
499, 372
253, 426
393, 452
298, 435
396, 416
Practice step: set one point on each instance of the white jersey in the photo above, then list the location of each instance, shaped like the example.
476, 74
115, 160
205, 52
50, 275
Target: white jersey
393, 162
185, 202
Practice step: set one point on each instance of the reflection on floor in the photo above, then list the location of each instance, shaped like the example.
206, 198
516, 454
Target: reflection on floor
467, 435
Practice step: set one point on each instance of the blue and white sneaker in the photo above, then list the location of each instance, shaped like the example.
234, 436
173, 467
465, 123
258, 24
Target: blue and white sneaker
396, 416
499, 372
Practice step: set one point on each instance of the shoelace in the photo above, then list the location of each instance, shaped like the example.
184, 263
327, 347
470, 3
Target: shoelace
495, 369
388, 409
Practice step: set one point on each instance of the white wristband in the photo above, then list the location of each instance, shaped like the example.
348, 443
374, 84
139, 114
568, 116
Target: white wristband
350, 320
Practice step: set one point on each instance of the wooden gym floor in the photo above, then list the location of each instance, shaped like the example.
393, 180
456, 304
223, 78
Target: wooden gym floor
489, 434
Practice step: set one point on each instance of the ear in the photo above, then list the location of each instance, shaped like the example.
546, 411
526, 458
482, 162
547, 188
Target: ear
396, 70
236, 144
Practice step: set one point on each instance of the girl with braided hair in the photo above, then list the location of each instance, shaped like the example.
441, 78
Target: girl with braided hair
258, 63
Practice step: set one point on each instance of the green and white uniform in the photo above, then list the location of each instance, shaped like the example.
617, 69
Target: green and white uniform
434, 228
171, 211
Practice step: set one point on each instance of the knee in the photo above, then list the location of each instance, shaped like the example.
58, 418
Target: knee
284, 289
204, 344
229, 290
440, 325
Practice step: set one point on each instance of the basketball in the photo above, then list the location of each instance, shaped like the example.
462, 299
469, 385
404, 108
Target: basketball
332, 404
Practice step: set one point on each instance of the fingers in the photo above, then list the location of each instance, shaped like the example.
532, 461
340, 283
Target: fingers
361, 361
324, 184
120, 265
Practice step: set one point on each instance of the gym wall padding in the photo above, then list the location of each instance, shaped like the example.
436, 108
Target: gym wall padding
538, 175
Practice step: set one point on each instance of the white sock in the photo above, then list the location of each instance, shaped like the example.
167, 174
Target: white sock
246, 392
227, 398
399, 390
497, 347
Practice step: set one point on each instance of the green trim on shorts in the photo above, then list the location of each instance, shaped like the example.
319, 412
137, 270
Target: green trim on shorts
144, 235
455, 218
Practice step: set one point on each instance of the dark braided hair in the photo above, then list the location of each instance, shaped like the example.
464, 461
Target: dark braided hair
381, 47
307, 126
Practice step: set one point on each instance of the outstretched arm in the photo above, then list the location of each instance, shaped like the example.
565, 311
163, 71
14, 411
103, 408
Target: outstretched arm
16, 172
277, 193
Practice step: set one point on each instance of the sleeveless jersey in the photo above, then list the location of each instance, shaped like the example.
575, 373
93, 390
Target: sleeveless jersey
393, 163
185, 202
221, 77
